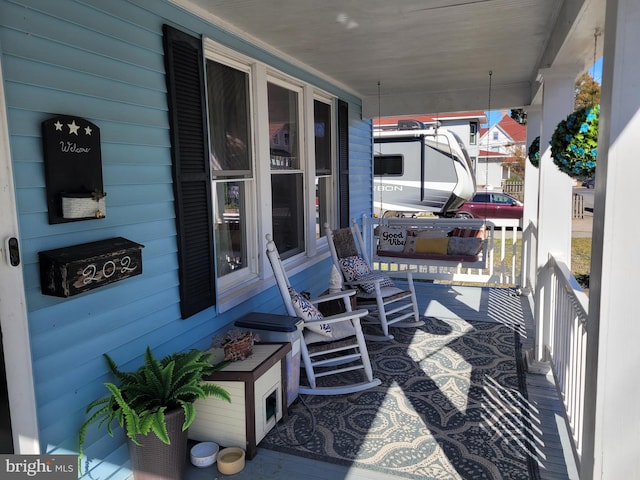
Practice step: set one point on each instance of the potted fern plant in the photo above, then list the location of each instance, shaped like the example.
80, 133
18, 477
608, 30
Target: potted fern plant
154, 406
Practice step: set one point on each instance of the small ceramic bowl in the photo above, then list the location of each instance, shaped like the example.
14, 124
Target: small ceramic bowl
230, 460
204, 454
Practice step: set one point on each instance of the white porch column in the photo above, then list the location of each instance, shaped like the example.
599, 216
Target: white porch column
530, 213
555, 190
614, 323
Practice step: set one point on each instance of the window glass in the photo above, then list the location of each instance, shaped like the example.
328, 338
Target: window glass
283, 128
324, 161
287, 192
482, 197
229, 124
324, 188
388, 165
288, 213
322, 134
229, 138
473, 133
230, 226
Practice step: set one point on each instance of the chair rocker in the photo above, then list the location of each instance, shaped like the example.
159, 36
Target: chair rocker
332, 345
388, 304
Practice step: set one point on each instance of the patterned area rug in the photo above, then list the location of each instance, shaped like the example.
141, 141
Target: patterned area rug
452, 405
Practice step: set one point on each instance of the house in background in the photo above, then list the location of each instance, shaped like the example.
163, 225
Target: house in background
500, 146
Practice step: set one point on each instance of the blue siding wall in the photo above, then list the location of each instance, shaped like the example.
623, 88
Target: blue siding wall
360, 164
103, 60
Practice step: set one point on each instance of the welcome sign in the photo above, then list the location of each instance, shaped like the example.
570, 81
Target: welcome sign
73, 167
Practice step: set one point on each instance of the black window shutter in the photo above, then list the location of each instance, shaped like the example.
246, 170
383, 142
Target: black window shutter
191, 172
343, 162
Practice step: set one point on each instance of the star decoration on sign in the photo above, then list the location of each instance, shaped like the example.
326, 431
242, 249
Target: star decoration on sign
73, 128
77, 126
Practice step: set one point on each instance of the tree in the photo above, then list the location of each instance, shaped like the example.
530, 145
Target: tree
519, 156
519, 115
587, 92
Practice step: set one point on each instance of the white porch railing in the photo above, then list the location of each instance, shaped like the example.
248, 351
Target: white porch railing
566, 313
503, 256
529, 251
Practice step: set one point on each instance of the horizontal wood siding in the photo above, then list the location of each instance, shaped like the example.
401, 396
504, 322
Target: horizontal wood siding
360, 163
104, 61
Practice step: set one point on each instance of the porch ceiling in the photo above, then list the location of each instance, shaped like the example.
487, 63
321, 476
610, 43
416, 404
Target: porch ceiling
429, 56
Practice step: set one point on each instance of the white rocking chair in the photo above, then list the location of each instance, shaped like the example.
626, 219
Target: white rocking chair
331, 345
389, 305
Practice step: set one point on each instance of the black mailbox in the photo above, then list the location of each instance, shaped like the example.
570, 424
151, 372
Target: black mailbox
71, 270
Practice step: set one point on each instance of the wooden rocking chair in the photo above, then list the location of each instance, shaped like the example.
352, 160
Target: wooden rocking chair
331, 345
390, 305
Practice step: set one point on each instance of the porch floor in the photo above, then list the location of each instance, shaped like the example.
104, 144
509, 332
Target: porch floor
443, 301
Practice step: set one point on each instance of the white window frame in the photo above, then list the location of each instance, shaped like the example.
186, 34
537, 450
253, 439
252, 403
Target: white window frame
236, 287
304, 158
251, 273
320, 244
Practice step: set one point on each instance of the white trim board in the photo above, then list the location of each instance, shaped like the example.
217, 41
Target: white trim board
13, 312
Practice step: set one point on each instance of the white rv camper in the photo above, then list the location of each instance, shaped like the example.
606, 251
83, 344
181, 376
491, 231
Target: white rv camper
418, 169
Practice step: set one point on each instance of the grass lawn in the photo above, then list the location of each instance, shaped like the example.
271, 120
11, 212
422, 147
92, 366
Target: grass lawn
581, 260
580, 257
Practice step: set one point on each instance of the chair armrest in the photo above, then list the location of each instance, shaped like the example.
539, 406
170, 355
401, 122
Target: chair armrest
404, 274
362, 282
333, 296
340, 317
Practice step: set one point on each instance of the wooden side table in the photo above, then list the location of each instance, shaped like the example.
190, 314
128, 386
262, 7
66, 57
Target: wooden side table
258, 389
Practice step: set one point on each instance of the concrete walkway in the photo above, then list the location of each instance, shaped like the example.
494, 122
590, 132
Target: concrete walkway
582, 227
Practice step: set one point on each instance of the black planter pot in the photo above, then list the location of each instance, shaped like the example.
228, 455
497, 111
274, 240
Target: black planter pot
154, 460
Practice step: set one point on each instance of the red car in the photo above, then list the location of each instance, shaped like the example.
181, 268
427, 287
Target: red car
490, 205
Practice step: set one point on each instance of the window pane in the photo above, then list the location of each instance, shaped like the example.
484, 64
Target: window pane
287, 193
288, 213
323, 203
322, 131
231, 226
324, 164
388, 165
473, 133
229, 126
283, 128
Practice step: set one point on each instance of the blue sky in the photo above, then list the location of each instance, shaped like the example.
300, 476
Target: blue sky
494, 116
